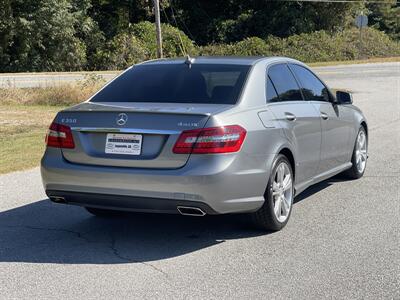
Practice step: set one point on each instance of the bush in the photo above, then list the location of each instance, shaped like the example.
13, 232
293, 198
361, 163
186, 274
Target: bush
253, 46
216, 50
375, 43
121, 52
138, 43
318, 46
175, 42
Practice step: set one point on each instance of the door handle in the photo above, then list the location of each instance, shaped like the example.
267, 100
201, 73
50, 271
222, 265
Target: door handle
290, 116
324, 116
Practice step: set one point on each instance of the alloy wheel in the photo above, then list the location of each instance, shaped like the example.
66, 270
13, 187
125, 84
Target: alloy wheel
361, 151
282, 192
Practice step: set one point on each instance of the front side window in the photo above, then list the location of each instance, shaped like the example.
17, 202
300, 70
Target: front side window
312, 88
177, 83
285, 83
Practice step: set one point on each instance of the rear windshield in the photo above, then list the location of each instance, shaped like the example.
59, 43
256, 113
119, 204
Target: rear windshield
177, 83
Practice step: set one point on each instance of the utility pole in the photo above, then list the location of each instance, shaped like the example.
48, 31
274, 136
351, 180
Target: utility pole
158, 28
361, 21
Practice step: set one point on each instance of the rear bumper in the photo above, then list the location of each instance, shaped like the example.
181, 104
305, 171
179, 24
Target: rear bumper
128, 203
217, 183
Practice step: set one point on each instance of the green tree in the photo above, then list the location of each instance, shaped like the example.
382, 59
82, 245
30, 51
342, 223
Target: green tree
386, 17
87, 30
42, 36
57, 35
115, 16
234, 20
6, 25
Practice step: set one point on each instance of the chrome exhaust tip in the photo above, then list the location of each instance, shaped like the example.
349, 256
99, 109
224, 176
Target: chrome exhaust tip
190, 211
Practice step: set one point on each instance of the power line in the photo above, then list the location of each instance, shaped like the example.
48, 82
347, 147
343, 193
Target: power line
339, 1
165, 14
183, 23
176, 24
181, 45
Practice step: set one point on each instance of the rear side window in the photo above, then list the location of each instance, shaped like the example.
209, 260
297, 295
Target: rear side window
312, 87
272, 95
285, 83
177, 83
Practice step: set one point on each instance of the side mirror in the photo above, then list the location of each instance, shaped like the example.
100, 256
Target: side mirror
343, 98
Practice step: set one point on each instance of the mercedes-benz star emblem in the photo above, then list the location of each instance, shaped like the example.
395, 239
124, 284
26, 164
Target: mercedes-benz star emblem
122, 118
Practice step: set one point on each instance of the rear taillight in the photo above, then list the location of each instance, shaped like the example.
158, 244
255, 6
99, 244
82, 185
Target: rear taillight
59, 136
222, 139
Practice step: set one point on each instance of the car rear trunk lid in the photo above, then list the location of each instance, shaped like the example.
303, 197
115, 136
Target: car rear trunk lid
151, 127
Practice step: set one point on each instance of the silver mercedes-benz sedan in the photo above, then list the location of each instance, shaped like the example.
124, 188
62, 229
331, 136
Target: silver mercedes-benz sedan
205, 135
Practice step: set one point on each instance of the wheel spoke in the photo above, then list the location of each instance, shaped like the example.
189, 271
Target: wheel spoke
280, 173
275, 193
278, 207
359, 140
362, 140
358, 158
363, 154
287, 182
285, 207
275, 189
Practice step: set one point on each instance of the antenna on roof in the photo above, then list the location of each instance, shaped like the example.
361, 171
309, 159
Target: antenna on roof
189, 60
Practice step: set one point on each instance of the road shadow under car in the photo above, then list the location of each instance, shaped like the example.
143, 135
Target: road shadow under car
44, 232
316, 188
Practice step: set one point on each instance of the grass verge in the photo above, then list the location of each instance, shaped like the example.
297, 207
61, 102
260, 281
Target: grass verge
25, 115
22, 132
61, 94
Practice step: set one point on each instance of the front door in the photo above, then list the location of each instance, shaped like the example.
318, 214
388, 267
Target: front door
335, 119
336, 125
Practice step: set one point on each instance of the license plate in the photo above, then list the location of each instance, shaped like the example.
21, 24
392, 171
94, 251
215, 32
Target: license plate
129, 144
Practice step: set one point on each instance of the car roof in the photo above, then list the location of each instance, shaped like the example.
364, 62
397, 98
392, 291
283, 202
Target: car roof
229, 60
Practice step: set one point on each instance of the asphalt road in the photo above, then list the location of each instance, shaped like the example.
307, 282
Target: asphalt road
27, 80
342, 240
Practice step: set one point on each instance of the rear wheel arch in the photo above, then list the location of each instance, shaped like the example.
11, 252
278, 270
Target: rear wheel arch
289, 155
267, 216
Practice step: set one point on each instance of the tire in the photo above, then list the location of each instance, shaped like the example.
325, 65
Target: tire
103, 213
359, 153
266, 218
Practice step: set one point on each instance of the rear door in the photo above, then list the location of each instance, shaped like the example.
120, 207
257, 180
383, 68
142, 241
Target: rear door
334, 120
298, 118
